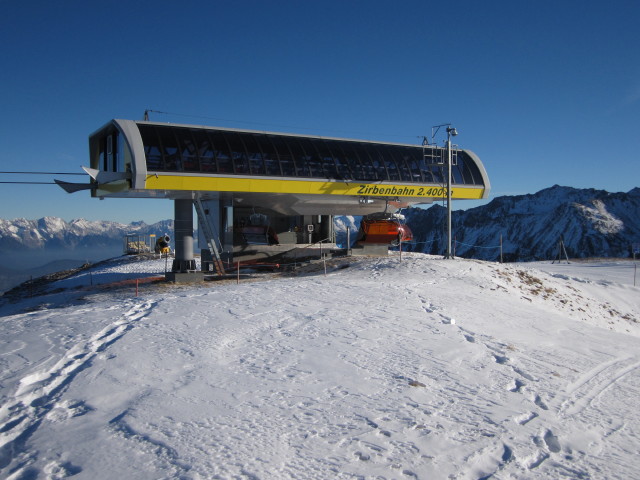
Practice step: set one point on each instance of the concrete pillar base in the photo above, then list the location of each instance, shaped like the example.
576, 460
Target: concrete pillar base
186, 277
183, 266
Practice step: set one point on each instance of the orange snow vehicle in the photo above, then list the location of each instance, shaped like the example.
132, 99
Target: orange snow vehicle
384, 228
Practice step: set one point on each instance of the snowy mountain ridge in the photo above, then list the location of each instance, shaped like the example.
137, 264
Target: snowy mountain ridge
591, 223
53, 232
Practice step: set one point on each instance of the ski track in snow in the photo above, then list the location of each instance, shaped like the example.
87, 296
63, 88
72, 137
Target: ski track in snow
38, 394
415, 381
595, 382
578, 397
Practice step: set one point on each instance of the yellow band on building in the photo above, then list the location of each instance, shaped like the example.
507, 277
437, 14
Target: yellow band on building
258, 185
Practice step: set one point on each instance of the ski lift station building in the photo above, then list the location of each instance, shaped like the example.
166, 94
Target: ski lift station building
296, 183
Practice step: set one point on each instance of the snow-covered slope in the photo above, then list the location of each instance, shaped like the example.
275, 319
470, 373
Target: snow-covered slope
420, 368
592, 223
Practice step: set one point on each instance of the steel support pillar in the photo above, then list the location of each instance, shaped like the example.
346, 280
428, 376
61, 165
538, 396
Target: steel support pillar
183, 225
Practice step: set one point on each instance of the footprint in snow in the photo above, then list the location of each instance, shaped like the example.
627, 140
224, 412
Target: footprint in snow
537, 460
525, 418
551, 441
427, 306
61, 470
507, 454
68, 409
363, 456
523, 374
448, 320
517, 386
501, 359
538, 401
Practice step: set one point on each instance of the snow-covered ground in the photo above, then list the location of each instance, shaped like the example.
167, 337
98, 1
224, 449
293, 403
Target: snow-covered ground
420, 368
603, 271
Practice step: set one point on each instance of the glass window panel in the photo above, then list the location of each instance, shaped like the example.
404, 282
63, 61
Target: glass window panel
425, 162
369, 172
342, 163
456, 174
456, 168
154, 157
433, 168
377, 162
188, 150
169, 149
118, 164
110, 153
102, 162
269, 155
284, 155
221, 152
300, 156
460, 174
390, 162
413, 159
351, 157
311, 159
427, 175
205, 151
256, 162
238, 153
151, 147
439, 173
326, 158
470, 169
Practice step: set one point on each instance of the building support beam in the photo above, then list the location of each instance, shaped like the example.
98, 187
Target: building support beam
183, 225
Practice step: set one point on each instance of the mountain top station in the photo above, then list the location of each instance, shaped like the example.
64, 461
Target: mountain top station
257, 194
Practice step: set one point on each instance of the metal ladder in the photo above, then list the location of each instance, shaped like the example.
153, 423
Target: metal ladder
433, 155
209, 234
454, 154
437, 156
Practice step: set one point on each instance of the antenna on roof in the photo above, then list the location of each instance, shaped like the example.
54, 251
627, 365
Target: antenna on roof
434, 131
146, 113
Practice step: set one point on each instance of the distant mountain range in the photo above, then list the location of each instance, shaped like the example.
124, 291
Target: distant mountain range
32, 248
590, 223
54, 233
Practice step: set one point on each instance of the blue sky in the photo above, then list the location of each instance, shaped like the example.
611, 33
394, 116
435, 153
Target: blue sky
545, 92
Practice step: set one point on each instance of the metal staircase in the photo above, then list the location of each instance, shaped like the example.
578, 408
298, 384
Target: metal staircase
210, 235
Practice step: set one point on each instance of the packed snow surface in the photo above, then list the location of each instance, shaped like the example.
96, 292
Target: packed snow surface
387, 369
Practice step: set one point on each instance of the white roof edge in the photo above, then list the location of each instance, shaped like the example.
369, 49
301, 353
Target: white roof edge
483, 172
132, 136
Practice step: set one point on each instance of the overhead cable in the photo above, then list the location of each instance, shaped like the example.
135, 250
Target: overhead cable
32, 183
44, 173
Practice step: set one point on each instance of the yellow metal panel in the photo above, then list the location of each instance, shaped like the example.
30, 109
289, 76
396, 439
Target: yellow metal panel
259, 185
